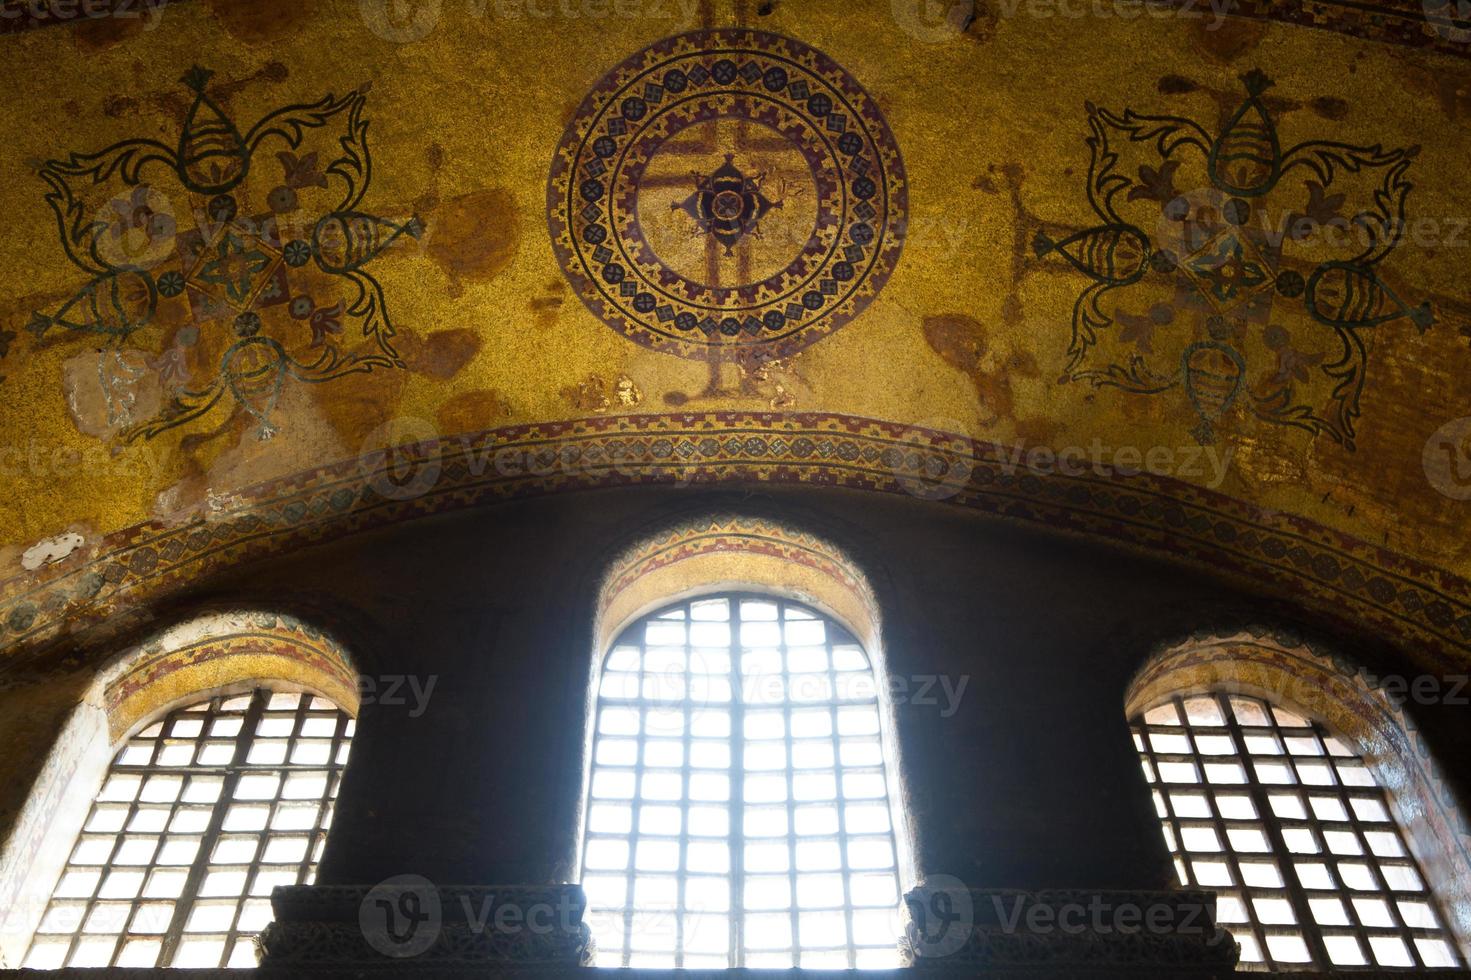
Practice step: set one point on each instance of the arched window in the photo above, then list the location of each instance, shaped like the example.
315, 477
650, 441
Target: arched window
201, 814
739, 811
1287, 824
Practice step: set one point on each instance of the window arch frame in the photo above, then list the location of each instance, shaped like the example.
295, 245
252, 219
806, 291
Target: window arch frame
212, 652
223, 782
1347, 703
738, 738
758, 556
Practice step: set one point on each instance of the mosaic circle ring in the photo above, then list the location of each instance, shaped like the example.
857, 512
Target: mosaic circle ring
727, 193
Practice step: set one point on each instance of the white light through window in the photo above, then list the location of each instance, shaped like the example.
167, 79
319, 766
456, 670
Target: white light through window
1286, 824
739, 812
201, 815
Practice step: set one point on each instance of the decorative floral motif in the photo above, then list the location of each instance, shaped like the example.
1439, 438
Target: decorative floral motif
205, 245
1270, 283
727, 194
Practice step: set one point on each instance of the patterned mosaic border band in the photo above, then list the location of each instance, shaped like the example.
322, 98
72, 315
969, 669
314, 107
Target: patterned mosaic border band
18, 16
732, 534
1358, 584
725, 550
1430, 24
301, 654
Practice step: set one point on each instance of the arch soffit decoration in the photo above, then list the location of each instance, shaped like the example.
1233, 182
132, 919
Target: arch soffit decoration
221, 652
1349, 580
728, 552
1304, 678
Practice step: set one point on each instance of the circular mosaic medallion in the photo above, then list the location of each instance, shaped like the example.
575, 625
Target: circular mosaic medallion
723, 193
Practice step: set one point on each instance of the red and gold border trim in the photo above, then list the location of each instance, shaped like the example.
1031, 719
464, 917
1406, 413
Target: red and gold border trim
213, 651
1427, 24
1355, 582
720, 551
734, 535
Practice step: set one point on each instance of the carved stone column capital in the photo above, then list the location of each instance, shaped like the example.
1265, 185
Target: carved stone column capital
408, 924
1065, 933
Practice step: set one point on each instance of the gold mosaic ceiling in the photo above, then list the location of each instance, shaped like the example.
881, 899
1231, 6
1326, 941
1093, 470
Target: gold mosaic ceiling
247, 240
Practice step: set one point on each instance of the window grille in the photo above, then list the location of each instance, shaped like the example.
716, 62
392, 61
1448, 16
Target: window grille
1287, 825
739, 808
202, 814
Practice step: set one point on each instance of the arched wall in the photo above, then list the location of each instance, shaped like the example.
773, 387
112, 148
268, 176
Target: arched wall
1353, 705
496, 605
200, 657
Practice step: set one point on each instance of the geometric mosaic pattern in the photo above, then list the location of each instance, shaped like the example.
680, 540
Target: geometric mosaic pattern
727, 194
1359, 583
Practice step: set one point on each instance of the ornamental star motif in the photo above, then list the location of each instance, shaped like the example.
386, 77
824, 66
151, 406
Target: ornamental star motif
727, 204
1224, 270
263, 227
1237, 252
234, 266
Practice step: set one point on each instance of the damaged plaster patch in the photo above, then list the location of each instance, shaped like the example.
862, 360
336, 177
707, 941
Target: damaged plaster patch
304, 439
474, 236
593, 394
50, 551
109, 390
